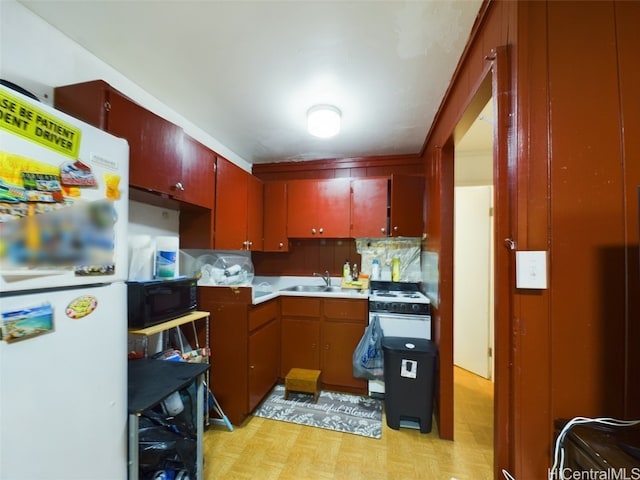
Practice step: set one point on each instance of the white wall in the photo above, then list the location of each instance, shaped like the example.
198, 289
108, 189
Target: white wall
36, 56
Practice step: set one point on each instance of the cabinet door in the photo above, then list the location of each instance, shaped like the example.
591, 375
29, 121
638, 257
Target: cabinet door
229, 355
264, 361
254, 214
318, 208
299, 344
198, 174
369, 207
407, 205
332, 208
339, 340
87, 101
301, 209
231, 206
275, 217
155, 144
344, 322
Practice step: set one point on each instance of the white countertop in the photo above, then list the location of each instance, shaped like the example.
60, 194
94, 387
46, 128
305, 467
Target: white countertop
265, 288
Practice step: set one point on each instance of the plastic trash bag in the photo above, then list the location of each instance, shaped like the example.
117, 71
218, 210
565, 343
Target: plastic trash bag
368, 358
165, 444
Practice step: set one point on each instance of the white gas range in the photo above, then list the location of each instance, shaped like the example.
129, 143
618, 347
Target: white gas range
403, 311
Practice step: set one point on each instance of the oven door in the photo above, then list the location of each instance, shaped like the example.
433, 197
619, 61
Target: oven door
399, 325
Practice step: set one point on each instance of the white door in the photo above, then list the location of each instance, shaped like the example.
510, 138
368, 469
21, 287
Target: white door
473, 292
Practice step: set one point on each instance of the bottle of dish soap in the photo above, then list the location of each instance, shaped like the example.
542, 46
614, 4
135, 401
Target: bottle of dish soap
395, 269
346, 271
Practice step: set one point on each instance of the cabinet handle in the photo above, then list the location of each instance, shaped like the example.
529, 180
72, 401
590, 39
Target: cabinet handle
280, 245
383, 230
395, 229
321, 230
313, 231
179, 186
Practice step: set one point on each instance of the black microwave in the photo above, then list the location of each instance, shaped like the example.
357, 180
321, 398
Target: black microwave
155, 301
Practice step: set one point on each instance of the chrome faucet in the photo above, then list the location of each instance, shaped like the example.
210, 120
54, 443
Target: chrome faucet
326, 277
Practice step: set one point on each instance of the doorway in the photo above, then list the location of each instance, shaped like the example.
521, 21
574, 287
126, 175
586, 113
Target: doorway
473, 247
473, 258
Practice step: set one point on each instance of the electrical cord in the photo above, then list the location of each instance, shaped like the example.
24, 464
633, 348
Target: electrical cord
558, 456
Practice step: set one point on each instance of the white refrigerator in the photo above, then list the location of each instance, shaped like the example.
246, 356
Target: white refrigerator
63, 316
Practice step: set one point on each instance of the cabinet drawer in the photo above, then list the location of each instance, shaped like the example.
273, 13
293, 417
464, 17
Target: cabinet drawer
340, 309
262, 314
300, 307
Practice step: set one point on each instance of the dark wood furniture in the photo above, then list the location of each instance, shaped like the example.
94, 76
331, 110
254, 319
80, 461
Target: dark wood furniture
318, 208
245, 348
321, 334
304, 381
595, 447
238, 208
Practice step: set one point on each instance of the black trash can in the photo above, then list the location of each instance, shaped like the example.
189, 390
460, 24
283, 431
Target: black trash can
409, 377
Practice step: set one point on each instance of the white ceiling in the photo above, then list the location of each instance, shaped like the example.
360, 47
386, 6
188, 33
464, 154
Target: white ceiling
246, 72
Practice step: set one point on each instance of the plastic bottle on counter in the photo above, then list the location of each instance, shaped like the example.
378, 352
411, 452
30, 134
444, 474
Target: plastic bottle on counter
375, 269
166, 257
354, 272
346, 271
395, 269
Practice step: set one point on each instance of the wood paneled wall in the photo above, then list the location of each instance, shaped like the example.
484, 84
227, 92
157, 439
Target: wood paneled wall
342, 167
572, 190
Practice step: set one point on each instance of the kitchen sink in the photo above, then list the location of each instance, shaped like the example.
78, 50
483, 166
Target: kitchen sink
312, 288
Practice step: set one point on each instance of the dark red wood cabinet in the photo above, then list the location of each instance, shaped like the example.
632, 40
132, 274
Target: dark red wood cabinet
255, 216
387, 206
370, 207
245, 348
322, 334
318, 208
155, 144
197, 179
344, 322
264, 351
238, 208
300, 327
275, 217
407, 206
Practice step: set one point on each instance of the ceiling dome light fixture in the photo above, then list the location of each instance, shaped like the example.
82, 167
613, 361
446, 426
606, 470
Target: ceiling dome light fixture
323, 121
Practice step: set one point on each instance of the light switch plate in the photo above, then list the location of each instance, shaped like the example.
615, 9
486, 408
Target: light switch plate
531, 269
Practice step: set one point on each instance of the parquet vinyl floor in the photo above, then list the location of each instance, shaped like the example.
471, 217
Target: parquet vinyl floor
273, 450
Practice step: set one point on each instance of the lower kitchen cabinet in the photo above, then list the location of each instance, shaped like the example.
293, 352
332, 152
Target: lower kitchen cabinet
264, 351
245, 350
322, 334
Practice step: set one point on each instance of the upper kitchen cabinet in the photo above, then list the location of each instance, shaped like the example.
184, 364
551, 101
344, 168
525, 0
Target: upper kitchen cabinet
197, 180
407, 206
318, 208
370, 199
155, 144
275, 217
238, 208
387, 206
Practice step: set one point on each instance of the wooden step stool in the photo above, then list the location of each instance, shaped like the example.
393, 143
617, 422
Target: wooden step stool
302, 380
